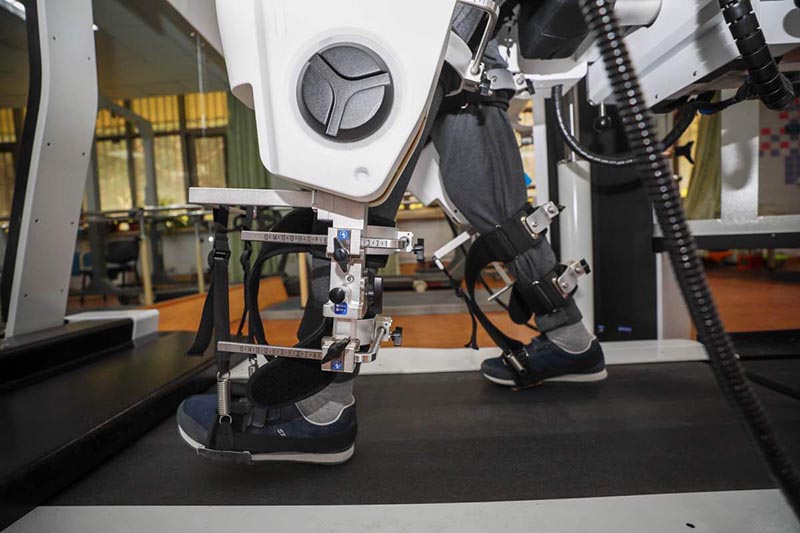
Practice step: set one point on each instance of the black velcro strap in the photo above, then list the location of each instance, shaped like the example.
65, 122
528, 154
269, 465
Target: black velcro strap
221, 255
221, 435
461, 101
244, 261
296, 221
215, 318
518, 309
512, 238
544, 297
283, 381
508, 241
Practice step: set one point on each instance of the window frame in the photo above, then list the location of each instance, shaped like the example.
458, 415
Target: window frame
187, 136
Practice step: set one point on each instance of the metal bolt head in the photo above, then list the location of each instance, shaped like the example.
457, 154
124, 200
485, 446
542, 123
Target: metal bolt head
350, 278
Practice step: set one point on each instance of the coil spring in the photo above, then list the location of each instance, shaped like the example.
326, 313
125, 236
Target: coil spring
664, 195
223, 395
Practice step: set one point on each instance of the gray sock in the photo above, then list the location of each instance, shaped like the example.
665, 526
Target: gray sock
573, 338
327, 405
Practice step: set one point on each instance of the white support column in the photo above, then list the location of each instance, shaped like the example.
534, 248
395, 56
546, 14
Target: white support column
60, 156
540, 144
674, 321
740, 137
575, 194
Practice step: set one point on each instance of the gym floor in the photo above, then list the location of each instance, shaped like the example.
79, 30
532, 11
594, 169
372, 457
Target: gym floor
748, 301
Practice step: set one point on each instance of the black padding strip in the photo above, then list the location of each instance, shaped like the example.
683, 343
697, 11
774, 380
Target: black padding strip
23, 168
283, 381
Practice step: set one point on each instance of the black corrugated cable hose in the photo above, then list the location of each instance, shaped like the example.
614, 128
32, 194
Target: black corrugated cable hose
772, 87
623, 160
663, 193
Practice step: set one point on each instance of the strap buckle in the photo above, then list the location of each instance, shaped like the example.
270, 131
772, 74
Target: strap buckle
224, 254
541, 218
552, 292
519, 368
568, 280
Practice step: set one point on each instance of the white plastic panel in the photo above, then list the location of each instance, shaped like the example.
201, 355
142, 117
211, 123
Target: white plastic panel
689, 41
267, 44
60, 157
145, 321
426, 184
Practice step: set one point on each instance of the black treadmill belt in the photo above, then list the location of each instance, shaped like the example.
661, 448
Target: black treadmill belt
780, 375
426, 438
777, 343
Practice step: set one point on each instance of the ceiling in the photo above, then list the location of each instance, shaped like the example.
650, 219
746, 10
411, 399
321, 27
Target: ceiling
144, 48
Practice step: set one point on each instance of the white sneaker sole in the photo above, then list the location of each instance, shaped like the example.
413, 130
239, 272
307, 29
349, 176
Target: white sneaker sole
567, 378
286, 457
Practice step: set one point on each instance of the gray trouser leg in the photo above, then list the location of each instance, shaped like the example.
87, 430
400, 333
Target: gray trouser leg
483, 175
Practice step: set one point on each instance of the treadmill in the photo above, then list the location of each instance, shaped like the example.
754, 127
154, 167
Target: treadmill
654, 448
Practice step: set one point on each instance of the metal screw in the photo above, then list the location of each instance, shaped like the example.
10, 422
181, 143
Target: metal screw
349, 278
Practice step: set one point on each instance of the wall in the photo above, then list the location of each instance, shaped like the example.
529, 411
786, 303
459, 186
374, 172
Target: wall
779, 157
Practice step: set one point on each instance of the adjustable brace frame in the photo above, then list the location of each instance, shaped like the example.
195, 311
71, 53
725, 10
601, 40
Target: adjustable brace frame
522, 232
356, 336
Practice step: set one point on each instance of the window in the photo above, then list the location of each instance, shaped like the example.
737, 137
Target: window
6, 182
108, 124
112, 169
162, 111
8, 132
170, 172
10, 128
206, 110
190, 139
209, 155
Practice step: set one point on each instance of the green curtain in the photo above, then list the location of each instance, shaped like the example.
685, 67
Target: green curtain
245, 169
705, 187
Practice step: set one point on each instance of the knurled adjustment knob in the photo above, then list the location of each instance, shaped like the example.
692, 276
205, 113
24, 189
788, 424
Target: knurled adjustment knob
397, 336
337, 295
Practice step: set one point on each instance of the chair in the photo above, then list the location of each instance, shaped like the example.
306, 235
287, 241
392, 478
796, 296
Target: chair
121, 257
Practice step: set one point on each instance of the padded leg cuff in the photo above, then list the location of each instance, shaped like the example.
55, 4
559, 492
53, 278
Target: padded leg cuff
563, 317
284, 381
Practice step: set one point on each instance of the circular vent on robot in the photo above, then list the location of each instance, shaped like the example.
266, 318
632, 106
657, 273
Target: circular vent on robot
345, 92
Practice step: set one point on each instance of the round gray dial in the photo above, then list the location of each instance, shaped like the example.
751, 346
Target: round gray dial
345, 92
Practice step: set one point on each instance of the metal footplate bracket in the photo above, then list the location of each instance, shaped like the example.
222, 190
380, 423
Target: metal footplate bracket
378, 240
568, 281
354, 300
552, 292
338, 354
538, 221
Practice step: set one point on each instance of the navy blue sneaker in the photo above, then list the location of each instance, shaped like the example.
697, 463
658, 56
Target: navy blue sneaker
548, 362
281, 435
